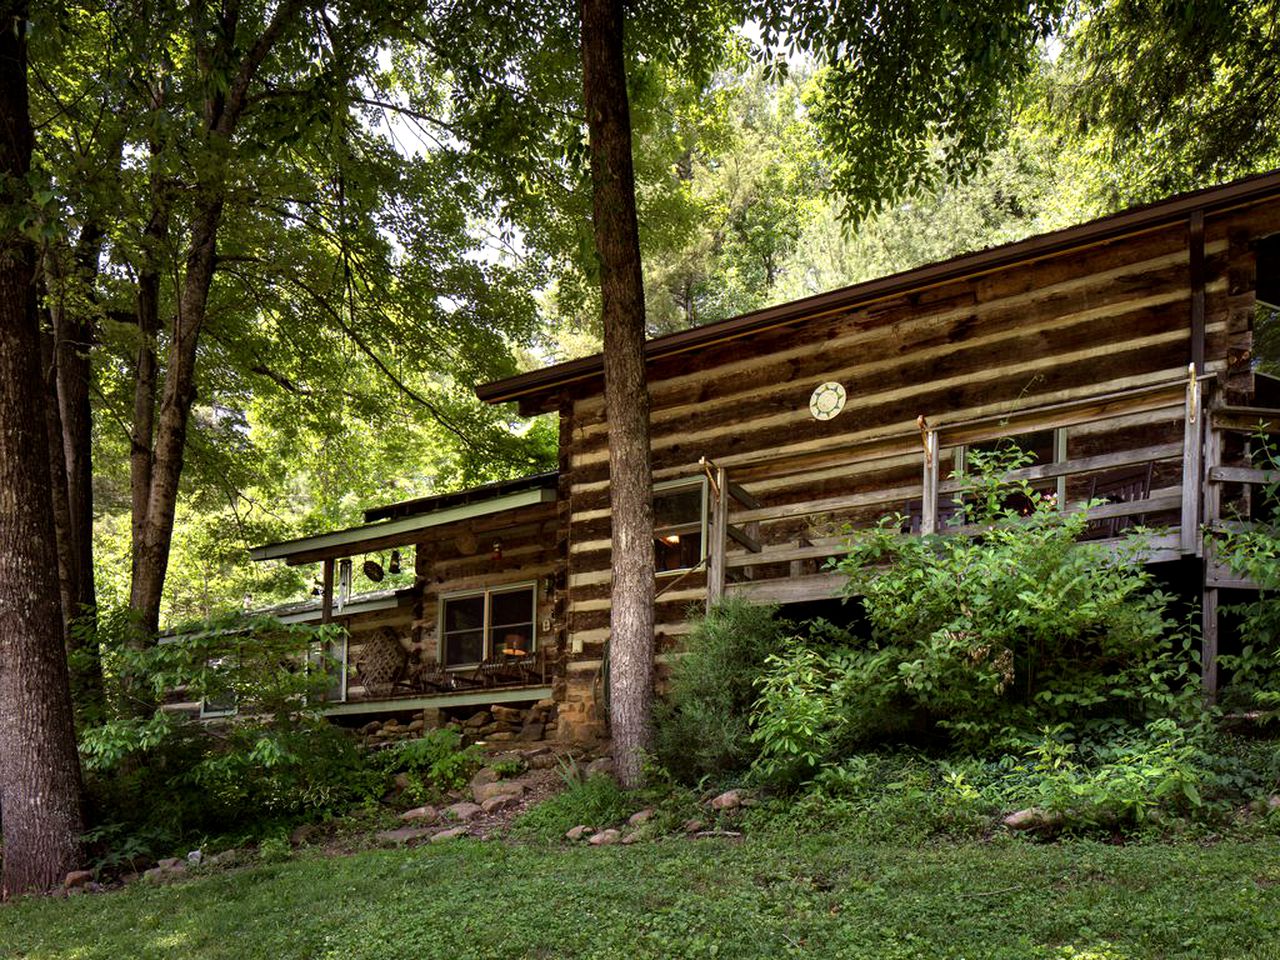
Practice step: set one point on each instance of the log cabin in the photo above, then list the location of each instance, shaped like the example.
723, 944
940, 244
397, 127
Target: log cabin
1121, 352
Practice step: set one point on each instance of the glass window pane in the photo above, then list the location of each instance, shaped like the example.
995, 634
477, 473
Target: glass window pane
464, 647
464, 613
679, 506
512, 641
512, 606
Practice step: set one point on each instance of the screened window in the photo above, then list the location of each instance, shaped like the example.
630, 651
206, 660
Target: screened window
221, 699
480, 626
679, 524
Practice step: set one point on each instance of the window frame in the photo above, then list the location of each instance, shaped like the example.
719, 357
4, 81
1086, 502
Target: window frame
208, 713
487, 623
704, 524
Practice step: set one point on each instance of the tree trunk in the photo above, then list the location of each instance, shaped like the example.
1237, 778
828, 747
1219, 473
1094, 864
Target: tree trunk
39, 768
617, 239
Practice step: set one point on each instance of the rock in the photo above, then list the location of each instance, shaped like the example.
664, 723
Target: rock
530, 752
507, 714
577, 833
485, 775
544, 761
729, 800
77, 878
633, 837
370, 728
433, 718
545, 704
604, 838
195, 858
451, 834
404, 835
693, 826
1032, 818
501, 736
477, 720
417, 726
422, 815
502, 788
1273, 802
226, 857
532, 731
303, 834
463, 811
641, 816
599, 768
400, 782
168, 869
494, 804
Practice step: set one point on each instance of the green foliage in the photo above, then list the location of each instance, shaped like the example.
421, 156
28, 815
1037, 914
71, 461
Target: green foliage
436, 762
597, 802
701, 727
1252, 551
277, 761
984, 637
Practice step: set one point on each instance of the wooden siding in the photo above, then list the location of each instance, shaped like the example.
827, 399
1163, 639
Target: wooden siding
1111, 317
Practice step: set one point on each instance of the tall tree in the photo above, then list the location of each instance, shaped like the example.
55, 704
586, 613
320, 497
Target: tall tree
39, 767
626, 388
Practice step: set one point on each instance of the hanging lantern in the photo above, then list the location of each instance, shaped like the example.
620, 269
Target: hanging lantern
394, 566
497, 551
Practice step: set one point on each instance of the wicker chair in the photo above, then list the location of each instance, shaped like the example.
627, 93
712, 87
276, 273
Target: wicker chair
382, 664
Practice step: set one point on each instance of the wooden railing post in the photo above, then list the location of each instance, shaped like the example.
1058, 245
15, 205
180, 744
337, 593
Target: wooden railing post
719, 535
1192, 474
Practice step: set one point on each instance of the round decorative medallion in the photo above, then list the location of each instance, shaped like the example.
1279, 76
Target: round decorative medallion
827, 401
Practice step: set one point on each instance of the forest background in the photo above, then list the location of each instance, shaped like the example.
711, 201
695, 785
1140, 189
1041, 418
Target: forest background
376, 258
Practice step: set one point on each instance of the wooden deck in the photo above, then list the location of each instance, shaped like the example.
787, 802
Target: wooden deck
778, 552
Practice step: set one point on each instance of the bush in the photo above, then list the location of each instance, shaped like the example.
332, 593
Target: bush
702, 726
159, 781
1253, 552
435, 763
982, 638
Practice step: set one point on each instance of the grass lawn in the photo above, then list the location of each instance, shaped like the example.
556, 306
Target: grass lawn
817, 897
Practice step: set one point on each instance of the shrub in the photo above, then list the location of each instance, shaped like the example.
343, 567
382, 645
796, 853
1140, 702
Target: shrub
158, 780
985, 638
436, 763
702, 726
1253, 552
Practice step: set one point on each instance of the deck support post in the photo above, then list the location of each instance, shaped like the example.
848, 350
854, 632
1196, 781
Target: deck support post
1209, 644
719, 536
1192, 473
929, 500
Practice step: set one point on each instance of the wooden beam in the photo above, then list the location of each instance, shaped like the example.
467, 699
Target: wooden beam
1209, 644
1242, 475
831, 504
929, 496
1192, 444
719, 536
1103, 461
1195, 245
817, 586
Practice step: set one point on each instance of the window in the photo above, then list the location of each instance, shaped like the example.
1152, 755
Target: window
331, 657
478, 626
1266, 321
220, 702
679, 524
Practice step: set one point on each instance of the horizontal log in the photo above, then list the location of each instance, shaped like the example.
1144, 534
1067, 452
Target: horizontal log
827, 504
1239, 419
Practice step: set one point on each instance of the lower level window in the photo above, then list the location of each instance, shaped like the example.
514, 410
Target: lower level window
479, 626
679, 524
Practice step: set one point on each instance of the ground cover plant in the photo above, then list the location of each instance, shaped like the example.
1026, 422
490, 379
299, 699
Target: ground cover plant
779, 896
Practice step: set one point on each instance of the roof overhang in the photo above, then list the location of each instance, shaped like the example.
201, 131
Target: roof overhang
391, 533
535, 389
